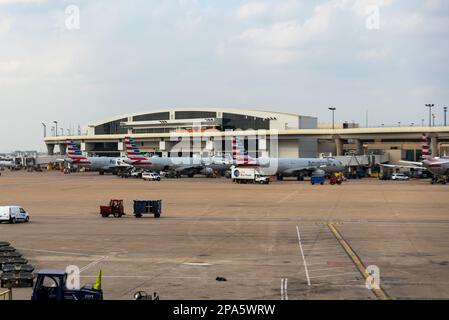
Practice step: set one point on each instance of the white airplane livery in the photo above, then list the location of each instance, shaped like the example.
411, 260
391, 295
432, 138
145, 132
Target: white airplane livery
182, 165
6, 164
438, 167
101, 164
294, 167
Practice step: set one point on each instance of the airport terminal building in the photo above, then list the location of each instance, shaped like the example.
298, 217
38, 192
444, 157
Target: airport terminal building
208, 131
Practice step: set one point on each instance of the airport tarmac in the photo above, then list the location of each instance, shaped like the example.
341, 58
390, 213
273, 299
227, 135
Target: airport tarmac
254, 236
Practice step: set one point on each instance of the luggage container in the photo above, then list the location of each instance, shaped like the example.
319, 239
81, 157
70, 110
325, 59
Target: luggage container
17, 268
142, 207
317, 180
11, 260
17, 280
7, 249
14, 254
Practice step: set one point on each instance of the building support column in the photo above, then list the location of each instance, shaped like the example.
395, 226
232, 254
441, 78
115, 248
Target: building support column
62, 149
359, 147
434, 146
338, 146
50, 149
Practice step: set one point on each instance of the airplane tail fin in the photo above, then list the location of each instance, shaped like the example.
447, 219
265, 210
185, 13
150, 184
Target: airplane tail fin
239, 155
132, 151
425, 147
73, 151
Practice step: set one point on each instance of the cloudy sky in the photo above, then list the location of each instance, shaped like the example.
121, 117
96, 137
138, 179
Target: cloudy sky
386, 56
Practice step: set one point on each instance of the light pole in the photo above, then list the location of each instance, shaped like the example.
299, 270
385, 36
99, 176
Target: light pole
422, 122
56, 127
333, 117
445, 114
45, 129
430, 106
433, 119
399, 123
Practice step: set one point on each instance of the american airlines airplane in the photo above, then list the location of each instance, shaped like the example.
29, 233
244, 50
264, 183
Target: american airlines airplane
284, 167
101, 164
6, 164
438, 167
182, 165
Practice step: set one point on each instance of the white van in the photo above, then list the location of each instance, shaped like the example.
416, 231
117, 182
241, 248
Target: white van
151, 176
13, 214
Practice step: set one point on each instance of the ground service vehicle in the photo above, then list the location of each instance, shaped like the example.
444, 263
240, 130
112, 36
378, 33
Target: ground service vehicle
399, 176
248, 175
336, 179
51, 285
114, 208
142, 207
318, 179
13, 214
151, 176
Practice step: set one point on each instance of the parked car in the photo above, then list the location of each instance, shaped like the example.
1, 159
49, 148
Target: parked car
13, 214
399, 176
135, 173
151, 176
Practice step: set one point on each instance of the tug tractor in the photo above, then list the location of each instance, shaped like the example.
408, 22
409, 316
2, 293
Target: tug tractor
51, 285
114, 208
336, 178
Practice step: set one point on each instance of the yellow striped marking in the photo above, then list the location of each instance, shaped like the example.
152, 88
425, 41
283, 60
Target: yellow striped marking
377, 289
6, 295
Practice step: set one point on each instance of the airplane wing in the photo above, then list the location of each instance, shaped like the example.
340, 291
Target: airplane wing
411, 163
438, 163
400, 166
298, 170
187, 167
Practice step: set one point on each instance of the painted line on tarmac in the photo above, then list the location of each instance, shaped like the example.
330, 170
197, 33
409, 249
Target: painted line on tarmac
303, 257
284, 295
58, 252
376, 288
330, 275
329, 269
93, 263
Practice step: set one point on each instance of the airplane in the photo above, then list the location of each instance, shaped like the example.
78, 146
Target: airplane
6, 164
101, 164
284, 167
182, 165
438, 167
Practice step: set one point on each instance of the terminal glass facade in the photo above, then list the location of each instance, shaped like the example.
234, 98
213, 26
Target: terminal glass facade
112, 127
237, 121
179, 115
152, 116
153, 130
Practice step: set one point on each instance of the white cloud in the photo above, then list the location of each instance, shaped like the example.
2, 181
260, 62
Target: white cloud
290, 33
5, 24
281, 41
252, 10
360, 6
373, 55
408, 22
425, 91
9, 67
260, 9
433, 5
7, 2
